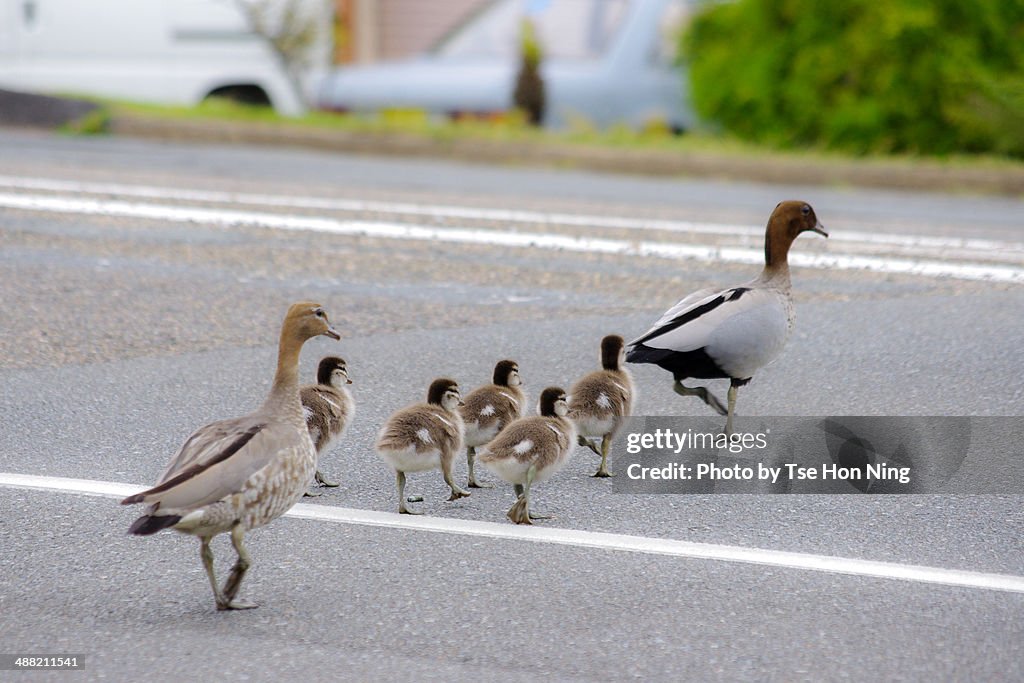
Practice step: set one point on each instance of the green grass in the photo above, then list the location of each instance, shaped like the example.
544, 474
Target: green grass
95, 122
508, 127
512, 128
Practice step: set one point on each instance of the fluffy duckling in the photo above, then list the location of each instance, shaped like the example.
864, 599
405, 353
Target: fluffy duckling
488, 409
599, 401
423, 437
531, 449
731, 333
236, 475
328, 407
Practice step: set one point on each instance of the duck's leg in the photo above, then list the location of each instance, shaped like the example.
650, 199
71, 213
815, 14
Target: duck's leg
515, 512
602, 471
700, 392
446, 470
206, 553
402, 508
587, 443
732, 409
471, 462
234, 581
530, 475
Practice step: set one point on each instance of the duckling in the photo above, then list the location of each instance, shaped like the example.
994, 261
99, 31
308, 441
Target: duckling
425, 436
328, 407
531, 449
488, 409
599, 401
731, 333
239, 474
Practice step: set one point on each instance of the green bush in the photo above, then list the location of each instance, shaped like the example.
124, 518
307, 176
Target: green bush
922, 76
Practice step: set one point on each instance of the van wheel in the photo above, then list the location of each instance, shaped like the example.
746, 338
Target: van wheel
243, 94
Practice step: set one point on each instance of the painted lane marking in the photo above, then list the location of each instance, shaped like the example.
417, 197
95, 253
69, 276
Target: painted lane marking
403, 231
490, 214
577, 538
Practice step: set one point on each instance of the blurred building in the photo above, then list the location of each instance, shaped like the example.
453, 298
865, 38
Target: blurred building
378, 30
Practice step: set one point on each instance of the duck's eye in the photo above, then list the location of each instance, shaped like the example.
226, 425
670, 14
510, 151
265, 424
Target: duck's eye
319, 313
805, 209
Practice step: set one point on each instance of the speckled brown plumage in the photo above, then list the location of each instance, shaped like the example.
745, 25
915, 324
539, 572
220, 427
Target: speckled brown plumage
328, 408
549, 439
531, 449
599, 401
424, 436
239, 474
488, 409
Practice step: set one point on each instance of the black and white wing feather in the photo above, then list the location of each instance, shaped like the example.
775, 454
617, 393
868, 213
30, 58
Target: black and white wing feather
726, 333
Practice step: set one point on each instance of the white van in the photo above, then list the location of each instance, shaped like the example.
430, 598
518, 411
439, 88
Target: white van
160, 51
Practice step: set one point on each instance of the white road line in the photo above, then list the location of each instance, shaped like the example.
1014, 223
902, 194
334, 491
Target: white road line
403, 231
577, 538
488, 214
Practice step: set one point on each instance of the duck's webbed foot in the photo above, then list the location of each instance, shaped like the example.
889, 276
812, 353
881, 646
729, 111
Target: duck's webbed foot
458, 492
324, 481
518, 513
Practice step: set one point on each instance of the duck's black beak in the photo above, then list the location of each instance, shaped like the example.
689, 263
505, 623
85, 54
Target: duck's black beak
820, 229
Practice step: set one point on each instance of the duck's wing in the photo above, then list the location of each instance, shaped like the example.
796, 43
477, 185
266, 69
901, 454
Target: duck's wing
217, 460
688, 301
325, 400
599, 394
490, 405
689, 324
424, 427
325, 411
205, 443
522, 440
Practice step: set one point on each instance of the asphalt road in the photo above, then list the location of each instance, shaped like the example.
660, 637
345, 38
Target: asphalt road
122, 332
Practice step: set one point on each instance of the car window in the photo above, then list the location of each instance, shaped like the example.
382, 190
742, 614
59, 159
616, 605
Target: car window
491, 32
568, 29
